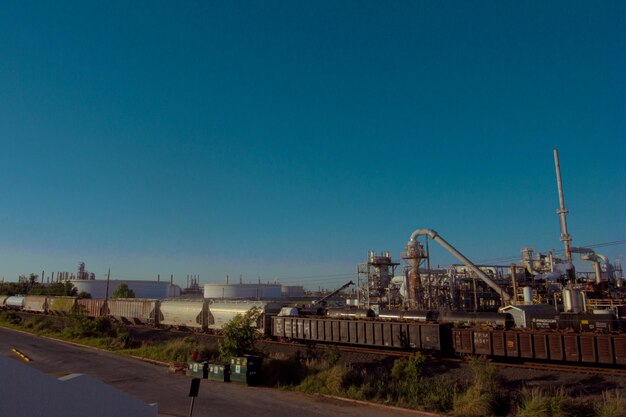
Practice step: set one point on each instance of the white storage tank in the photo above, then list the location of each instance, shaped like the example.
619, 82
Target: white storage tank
292, 290
528, 295
573, 300
142, 289
243, 291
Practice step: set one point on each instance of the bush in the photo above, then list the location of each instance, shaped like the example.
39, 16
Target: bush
332, 356
42, 324
10, 317
80, 327
328, 381
239, 335
408, 370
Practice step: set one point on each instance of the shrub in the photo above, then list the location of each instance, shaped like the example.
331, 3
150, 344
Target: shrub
438, 394
328, 381
332, 356
410, 369
10, 317
42, 324
239, 335
473, 403
80, 327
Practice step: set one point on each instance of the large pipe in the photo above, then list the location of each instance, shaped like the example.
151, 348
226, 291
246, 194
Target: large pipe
513, 269
433, 235
562, 211
587, 254
607, 266
527, 259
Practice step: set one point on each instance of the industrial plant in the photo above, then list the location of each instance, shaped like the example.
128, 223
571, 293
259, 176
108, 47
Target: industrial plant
539, 307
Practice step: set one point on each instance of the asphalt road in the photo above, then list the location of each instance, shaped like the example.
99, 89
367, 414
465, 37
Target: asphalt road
152, 383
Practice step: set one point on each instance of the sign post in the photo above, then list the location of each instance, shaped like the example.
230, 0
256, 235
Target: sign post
193, 392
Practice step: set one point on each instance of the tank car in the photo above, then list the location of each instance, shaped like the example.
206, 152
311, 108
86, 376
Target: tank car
407, 315
478, 319
353, 313
14, 302
588, 322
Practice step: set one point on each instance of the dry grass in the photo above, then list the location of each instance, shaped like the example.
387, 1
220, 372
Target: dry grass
612, 404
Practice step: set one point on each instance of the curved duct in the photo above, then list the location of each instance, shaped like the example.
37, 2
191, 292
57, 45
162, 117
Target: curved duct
527, 258
434, 236
587, 254
607, 266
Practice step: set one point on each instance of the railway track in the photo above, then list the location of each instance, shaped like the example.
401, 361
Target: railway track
343, 348
565, 368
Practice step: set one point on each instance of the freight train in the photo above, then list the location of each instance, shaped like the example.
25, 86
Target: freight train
460, 333
569, 338
197, 314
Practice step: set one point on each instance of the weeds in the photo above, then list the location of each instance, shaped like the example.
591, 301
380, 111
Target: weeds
611, 405
171, 351
539, 403
483, 397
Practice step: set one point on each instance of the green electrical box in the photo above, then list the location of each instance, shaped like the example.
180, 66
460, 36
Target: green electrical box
246, 369
197, 370
219, 372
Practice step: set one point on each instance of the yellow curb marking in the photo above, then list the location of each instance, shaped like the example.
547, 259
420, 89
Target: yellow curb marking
21, 355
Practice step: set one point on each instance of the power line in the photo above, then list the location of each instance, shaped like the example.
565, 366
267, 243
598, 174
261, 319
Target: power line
595, 245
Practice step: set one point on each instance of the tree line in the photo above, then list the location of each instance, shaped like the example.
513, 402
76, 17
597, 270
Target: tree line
28, 285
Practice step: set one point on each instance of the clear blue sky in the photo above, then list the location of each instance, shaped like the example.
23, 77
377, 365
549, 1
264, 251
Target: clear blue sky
286, 139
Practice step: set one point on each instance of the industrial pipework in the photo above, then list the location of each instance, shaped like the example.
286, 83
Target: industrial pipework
562, 211
506, 297
587, 254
